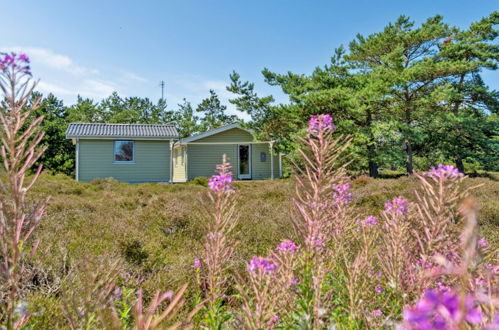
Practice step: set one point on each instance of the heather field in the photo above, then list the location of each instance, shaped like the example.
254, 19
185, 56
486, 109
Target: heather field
322, 249
155, 231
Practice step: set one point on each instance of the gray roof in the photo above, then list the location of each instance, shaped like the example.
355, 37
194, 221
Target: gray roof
141, 131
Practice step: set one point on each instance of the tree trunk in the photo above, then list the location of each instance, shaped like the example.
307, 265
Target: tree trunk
455, 110
459, 164
371, 148
409, 157
373, 167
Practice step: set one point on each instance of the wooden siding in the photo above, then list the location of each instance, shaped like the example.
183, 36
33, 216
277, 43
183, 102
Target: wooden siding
203, 159
260, 170
152, 162
232, 135
179, 164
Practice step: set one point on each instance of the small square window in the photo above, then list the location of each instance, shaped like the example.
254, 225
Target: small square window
263, 156
124, 151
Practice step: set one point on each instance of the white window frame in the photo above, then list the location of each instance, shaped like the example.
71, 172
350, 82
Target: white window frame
123, 161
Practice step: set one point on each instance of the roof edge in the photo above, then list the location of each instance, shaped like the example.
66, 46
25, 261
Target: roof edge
213, 132
124, 137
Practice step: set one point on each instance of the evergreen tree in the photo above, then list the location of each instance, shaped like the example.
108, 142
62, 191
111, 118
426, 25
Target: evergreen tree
85, 111
213, 113
60, 154
469, 101
185, 120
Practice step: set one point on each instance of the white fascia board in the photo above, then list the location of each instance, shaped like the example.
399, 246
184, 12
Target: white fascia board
213, 132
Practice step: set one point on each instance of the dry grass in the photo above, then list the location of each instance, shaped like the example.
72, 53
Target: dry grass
156, 230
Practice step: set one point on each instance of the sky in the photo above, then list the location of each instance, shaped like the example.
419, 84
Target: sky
92, 48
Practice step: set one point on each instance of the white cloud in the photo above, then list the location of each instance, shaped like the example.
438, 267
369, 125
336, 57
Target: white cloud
46, 87
97, 88
51, 59
132, 77
66, 78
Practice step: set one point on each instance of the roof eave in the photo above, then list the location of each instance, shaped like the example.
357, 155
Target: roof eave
98, 137
213, 132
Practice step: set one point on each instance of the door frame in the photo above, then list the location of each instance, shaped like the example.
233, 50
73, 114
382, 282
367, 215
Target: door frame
244, 176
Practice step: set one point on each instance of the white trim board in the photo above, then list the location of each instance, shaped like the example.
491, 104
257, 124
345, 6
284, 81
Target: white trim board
213, 132
248, 176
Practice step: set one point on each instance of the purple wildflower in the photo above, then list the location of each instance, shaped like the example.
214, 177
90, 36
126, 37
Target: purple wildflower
371, 221
379, 289
444, 172
482, 242
342, 194
397, 206
196, 264
494, 325
376, 313
441, 310
493, 268
167, 295
221, 182
23, 58
258, 263
294, 281
17, 63
318, 243
117, 293
287, 246
320, 123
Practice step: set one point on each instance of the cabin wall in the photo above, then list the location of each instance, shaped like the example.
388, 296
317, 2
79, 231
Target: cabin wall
152, 161
203, 159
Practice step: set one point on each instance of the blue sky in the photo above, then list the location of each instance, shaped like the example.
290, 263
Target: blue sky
95, 47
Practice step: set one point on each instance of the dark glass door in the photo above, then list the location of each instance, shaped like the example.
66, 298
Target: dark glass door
244, 161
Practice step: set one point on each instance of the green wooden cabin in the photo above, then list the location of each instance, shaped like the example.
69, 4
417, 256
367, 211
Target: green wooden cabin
197, 156
137, 153
132, 153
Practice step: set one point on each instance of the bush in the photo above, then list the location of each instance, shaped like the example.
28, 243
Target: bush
200, 180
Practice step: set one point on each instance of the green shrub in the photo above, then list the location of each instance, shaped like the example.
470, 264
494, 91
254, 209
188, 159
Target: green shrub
200, 180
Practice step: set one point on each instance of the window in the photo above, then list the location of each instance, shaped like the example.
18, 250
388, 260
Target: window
124, 151
263, 157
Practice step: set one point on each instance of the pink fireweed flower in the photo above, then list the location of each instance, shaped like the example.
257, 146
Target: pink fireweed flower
259, 263
320, 123
196, 264
397, 206
379, 289
23, 58
15, 62
441, 310
221, 182
376, 313
342, 194
287, 246
444, 172
482, 242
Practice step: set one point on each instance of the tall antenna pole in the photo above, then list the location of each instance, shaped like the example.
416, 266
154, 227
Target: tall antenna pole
162, 84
